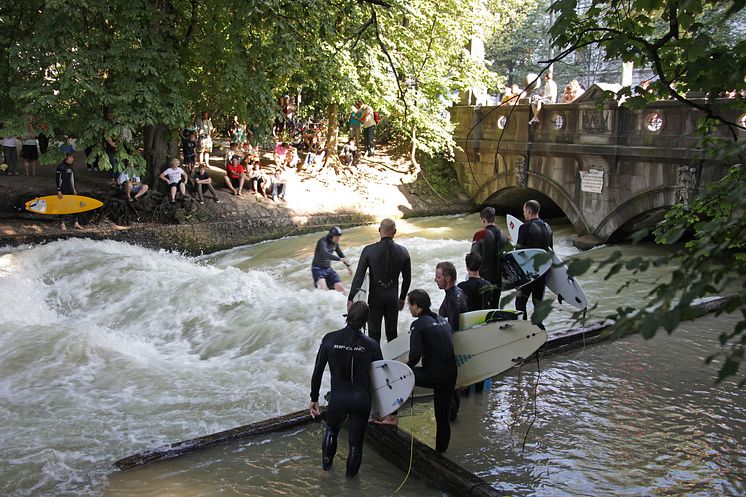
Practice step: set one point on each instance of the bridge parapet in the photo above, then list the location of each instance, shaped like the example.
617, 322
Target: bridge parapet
604, 166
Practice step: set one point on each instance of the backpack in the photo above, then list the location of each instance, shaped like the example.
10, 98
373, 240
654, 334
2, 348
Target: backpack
376, 117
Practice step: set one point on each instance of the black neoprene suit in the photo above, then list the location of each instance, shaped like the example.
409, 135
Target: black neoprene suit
430, 340
534, 233
349, 354
386, 261
490, 249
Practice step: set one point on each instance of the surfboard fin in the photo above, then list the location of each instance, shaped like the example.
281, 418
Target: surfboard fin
559, 298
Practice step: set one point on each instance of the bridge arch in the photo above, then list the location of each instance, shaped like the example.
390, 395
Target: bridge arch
646, 203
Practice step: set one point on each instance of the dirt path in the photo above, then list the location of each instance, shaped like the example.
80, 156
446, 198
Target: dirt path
377, 187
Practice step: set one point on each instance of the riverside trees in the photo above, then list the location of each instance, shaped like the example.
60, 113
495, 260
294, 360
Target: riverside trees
156, 62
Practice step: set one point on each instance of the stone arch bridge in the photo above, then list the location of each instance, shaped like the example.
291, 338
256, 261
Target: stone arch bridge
606, 168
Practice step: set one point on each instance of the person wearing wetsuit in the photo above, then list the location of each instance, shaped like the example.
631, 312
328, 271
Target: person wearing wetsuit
430, 340
65, 180
489, 243
534, 233
386, 261
349, 354
478, 291
455, 302
327, 250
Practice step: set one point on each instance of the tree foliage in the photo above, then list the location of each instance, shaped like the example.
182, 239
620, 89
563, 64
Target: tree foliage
156, 62
679, 40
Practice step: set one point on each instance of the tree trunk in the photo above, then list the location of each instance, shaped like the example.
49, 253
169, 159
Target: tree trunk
155, 139
332, 131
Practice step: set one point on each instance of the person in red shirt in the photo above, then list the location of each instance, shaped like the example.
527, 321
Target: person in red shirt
235, 176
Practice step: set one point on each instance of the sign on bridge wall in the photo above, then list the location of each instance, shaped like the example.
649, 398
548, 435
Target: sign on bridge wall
592, 181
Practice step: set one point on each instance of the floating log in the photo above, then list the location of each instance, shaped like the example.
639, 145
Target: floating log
179, 448
395, 445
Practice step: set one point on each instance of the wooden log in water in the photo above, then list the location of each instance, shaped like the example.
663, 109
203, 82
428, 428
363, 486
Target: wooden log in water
435, 469
179, 448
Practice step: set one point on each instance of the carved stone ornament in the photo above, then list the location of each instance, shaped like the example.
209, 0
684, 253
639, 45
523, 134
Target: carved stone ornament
521, 171
686, 183
594, 121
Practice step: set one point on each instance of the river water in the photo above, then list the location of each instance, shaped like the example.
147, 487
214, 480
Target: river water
108, 348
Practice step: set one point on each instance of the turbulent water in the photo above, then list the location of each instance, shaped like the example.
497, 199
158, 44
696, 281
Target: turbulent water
108, 348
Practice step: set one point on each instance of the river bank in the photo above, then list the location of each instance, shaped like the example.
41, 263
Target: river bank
377, 187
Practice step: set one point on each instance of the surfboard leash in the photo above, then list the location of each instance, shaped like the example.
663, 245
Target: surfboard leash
411, 444
536, 407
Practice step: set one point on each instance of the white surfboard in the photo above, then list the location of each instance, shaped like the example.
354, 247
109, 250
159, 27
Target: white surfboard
471, 319
362, 294
483, 351
565, 287
391, 384
513, 224
520, 267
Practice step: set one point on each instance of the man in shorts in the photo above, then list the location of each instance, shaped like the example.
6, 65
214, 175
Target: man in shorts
175, 178
327, 250
131, 186
234, 176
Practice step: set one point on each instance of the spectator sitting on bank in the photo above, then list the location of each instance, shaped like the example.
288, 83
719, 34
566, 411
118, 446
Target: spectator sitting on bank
291, 158
234, 176
280, 153
233, 151
175, 178
348, 155
260, 182
279, 184
131, 185
548, 96
202, 180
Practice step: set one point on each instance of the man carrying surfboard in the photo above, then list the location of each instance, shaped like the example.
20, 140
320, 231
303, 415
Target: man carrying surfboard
349, 354
534, 233
430, 340
387, 261
489, 243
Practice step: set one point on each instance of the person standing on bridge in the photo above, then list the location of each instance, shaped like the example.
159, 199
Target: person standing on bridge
534, 233
386, 261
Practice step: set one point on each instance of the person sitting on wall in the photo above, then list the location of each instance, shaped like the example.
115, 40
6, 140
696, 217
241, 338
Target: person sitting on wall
131, 185
234, 176
548, 96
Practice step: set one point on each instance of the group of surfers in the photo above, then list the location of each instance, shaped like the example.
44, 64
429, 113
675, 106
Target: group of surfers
349, 352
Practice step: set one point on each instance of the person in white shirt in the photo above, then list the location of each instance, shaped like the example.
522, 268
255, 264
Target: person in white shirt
548, 96
175, 177
131, 185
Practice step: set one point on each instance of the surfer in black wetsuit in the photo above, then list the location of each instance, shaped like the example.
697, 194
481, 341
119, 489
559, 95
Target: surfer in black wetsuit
386, 260
478, 290
489, 243
349, 354
65, 179
327, 250
430, 340
455, 302
534, 233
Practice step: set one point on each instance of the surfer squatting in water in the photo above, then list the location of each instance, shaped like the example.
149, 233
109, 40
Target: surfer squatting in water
349, 354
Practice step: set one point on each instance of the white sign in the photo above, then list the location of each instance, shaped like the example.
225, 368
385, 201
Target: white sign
592, 181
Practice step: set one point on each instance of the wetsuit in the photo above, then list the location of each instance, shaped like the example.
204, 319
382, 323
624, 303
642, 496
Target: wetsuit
321, 266
478, 292
65, 179
454, 303
430, 340
386, 261
490, 243
534, 233
349, 354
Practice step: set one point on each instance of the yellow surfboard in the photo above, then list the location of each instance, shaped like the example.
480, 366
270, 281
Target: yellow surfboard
68, 204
